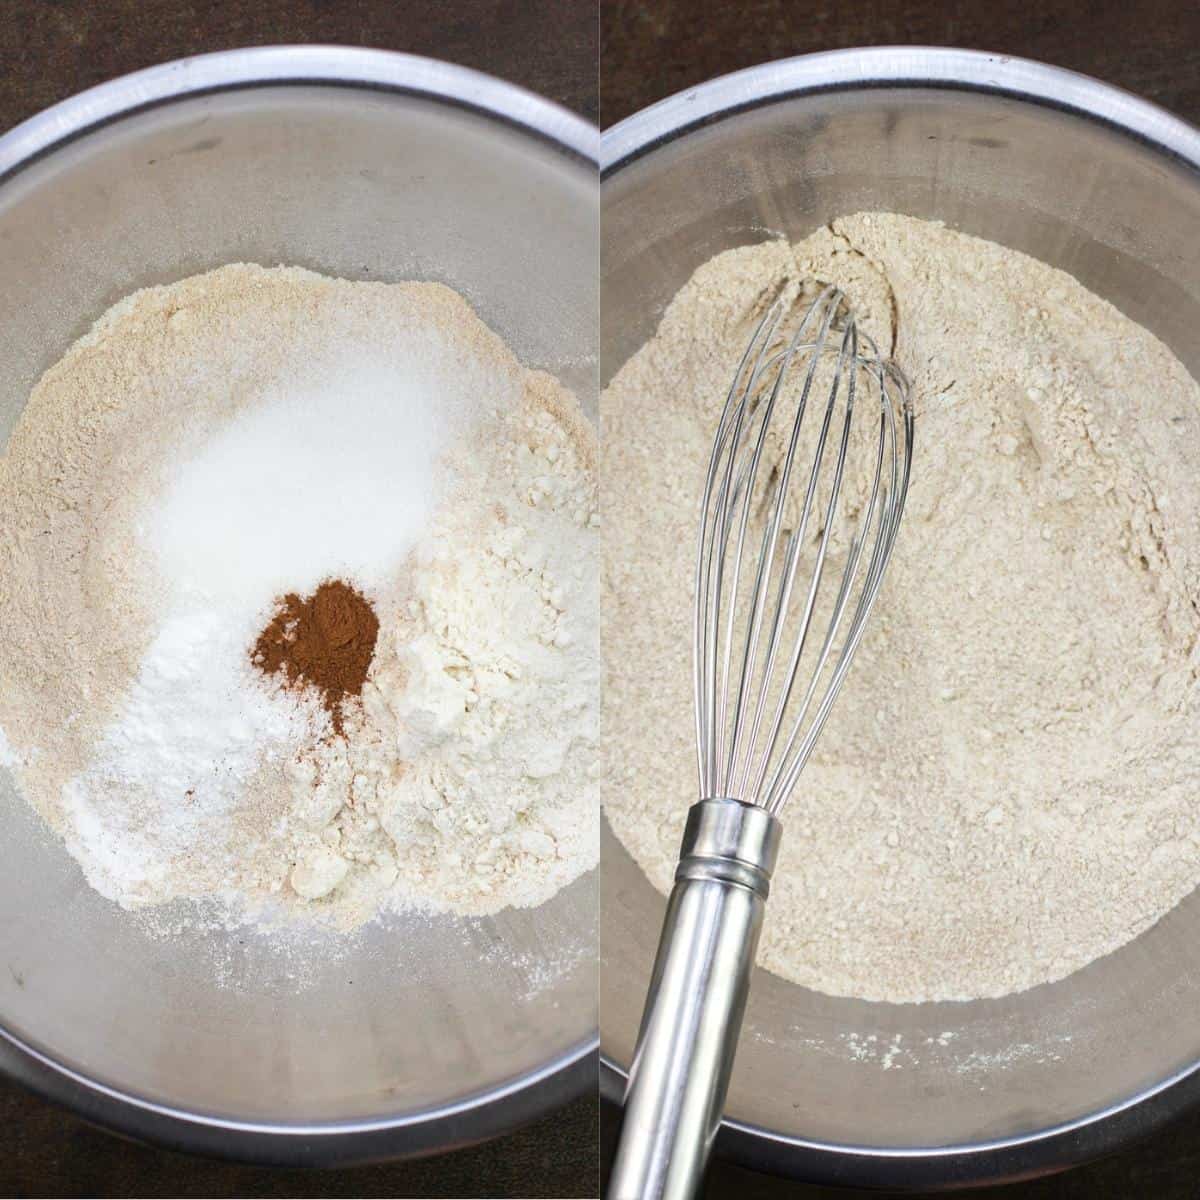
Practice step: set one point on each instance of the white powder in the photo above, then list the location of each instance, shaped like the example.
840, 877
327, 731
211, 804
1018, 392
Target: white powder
345, 454
1006, 787
193, 731
215, 444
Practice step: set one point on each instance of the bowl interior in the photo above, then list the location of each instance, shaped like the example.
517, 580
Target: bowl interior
362, 184
1122, 217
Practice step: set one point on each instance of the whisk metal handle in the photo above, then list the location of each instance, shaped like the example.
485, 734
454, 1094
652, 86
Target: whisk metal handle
684, 1058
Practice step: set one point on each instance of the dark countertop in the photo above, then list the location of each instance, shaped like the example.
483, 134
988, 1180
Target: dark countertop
652, 48
50, 49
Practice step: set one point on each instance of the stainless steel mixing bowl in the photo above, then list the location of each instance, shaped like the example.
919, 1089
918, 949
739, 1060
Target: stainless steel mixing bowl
436, 1031
1090, 180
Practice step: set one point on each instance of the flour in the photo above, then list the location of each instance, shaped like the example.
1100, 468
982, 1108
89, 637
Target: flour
214, 444
1006, 787
164, 777
484, 689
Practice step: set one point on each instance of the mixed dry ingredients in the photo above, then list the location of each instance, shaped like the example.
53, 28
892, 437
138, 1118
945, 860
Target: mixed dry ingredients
1007, 787
300, 603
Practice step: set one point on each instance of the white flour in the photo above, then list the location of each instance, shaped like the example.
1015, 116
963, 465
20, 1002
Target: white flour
469, 782
212, 445
1006, 788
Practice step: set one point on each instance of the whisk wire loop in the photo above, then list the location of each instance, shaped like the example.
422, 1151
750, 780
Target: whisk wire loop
848, 353
710, 555
745, 679
889, 511
735, 764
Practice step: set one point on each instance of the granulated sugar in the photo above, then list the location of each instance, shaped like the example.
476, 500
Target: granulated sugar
328, 474
216, 446
1006, 787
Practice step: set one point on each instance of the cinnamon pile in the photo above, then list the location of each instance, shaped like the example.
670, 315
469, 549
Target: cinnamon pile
324, 641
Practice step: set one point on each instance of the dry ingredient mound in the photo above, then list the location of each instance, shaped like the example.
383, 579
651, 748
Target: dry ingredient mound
300, 604
1006, 789
324, 641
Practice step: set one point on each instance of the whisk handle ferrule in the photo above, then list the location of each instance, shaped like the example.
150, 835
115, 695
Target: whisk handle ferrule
684, 1058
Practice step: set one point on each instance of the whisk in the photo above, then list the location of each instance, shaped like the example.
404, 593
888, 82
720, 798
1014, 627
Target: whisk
775, 629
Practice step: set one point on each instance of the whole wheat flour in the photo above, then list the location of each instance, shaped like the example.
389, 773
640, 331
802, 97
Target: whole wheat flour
1006, 788
207, 455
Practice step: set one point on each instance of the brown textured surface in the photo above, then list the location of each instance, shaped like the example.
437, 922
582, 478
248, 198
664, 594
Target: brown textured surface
652, 48
50, 49
46, 1152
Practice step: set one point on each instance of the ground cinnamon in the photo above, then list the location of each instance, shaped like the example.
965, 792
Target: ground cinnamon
324, 641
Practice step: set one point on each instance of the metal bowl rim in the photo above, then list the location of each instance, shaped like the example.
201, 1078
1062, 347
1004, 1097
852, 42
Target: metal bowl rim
940, 69
310, 65
878, 67
500, 1107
